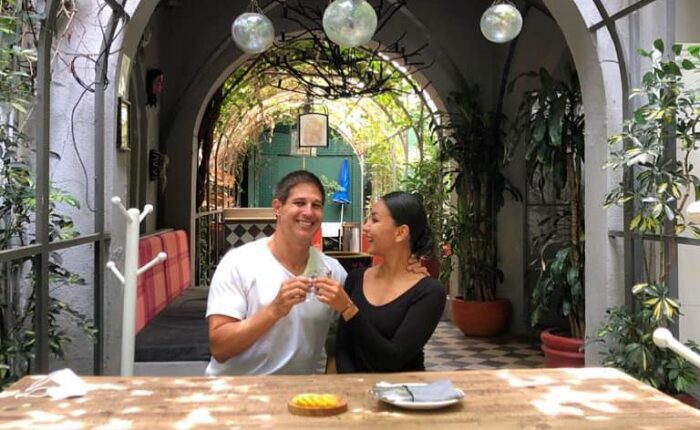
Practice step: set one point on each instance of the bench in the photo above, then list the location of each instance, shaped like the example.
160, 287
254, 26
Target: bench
159, 286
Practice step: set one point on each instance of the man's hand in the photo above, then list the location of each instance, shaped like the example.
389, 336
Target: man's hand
330, 292
292, 292
415, 266
229, 337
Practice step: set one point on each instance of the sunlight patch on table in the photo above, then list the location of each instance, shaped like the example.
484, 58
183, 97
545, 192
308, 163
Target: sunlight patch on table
115, 424
45, 417
563, 400
220, 385
195, 418
131, 410
114, 387
200, 397
515, 380
263, 399
9, 393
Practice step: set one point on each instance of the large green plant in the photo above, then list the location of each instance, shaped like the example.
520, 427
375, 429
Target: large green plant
663, 184
17, 208
425, 179
477, 153
551, 120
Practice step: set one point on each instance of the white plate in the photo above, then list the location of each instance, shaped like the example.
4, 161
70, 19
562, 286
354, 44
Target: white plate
421, 405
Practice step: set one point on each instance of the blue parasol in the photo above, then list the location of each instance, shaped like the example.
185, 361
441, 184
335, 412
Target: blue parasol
342, 196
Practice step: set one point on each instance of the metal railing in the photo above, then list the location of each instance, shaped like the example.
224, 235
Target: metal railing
210, 244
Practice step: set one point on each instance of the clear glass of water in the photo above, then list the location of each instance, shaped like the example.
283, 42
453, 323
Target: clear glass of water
323, 273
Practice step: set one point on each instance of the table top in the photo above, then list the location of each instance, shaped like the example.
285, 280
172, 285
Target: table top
588, 398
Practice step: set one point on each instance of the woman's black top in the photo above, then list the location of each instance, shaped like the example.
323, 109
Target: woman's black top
390, 337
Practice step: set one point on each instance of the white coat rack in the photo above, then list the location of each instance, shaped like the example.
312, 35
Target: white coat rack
131, 260
664, 339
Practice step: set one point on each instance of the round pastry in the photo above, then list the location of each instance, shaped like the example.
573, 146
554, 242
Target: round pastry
317, 404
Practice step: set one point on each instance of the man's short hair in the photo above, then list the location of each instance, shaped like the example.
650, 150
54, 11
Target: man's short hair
291, 180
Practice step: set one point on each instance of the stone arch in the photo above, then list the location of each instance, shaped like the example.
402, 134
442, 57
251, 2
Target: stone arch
602, 98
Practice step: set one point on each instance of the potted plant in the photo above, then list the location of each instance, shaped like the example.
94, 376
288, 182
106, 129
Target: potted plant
663, 183
425, 180
552, 121
476, 153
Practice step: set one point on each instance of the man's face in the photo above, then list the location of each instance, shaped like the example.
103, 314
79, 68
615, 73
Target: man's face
301, 215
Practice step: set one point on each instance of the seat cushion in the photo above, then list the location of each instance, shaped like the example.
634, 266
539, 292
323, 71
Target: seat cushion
151, 290
177, 266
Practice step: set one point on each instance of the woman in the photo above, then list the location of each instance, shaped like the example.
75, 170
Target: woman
391, 311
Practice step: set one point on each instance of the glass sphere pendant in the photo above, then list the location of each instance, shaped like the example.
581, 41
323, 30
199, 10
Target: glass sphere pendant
253, 32
501, 23
349, 23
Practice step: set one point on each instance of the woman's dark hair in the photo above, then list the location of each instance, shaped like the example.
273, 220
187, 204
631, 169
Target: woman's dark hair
407, 209
291, 180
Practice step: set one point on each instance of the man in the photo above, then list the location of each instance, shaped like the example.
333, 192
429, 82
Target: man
259, 319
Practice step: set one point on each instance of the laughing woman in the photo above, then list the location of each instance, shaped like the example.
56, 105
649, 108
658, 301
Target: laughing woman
391, 312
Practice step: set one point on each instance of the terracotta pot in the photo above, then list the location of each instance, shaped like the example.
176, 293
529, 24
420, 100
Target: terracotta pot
481, 319
686, 398
562, 351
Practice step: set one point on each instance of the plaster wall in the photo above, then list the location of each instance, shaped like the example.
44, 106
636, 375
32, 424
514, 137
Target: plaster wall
72, 140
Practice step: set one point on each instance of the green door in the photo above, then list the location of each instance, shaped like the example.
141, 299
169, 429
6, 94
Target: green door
274, 160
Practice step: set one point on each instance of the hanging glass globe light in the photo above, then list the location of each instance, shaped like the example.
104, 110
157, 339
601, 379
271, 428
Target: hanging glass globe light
253, 32
349, 23
501, 22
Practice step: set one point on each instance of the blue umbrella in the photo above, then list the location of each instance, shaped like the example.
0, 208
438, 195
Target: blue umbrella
341, 196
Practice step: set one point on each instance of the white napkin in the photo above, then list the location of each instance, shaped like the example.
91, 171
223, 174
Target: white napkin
418, 393
60, 384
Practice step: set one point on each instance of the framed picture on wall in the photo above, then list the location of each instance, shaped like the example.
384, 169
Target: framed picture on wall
123, 135
313, 130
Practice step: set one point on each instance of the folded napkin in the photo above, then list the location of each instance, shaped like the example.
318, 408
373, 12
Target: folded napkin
437, 391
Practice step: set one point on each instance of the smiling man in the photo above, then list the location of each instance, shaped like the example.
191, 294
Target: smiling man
259, 319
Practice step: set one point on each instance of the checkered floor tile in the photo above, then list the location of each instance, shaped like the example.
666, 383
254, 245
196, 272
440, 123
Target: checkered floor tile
449, 349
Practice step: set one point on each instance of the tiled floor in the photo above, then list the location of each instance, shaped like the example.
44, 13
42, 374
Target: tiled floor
449, 349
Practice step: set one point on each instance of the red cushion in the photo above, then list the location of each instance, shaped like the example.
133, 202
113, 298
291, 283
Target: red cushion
177, 266
151, 291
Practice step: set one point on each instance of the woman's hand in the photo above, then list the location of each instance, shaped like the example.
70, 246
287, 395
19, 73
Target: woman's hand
330, 292
416, 266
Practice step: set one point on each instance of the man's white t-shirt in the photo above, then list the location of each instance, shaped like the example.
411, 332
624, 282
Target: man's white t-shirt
246, 280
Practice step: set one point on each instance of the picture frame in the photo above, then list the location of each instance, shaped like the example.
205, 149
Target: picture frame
313, 130
123, 132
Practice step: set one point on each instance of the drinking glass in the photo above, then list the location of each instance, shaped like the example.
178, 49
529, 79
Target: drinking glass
311, 296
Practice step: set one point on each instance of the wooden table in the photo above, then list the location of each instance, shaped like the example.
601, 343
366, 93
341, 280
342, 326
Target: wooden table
590, 398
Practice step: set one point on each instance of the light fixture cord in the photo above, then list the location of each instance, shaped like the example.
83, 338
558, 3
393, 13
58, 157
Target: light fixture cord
253, 6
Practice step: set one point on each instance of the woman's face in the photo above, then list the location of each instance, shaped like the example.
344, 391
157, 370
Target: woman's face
382, 232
